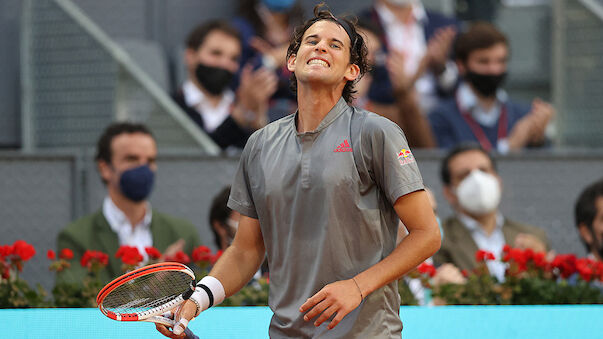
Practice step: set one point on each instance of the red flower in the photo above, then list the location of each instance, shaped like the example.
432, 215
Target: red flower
564, 265
465, 273
91, 257
202, 254
216, 256
180, 257
51, 255
6, 250
586, 268
23, 250
428, 269
482, 255
152, 252
129, 255
539, 260
66, 254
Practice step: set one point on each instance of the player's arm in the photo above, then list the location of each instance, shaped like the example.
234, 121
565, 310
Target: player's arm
231, 272
423, 241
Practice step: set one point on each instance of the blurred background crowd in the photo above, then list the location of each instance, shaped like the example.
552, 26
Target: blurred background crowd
500, 101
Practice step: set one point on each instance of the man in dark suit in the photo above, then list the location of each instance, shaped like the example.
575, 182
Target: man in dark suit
473, 188
125, 158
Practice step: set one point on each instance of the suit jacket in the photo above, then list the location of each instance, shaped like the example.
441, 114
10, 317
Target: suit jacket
459, 247
93, 232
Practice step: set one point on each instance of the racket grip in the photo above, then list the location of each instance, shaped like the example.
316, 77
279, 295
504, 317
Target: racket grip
186, 295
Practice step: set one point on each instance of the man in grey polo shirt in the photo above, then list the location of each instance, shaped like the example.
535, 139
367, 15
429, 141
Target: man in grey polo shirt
321, 193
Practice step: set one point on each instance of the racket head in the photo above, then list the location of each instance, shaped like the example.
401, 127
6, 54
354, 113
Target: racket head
146, 292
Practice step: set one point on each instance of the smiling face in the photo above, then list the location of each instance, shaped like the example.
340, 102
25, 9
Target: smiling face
324, 56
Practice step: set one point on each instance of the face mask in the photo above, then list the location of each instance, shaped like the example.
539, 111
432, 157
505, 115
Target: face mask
278, 5
485, 84
479, 193
213, 79
136, 183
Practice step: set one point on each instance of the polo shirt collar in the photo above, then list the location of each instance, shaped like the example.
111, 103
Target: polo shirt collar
333, 114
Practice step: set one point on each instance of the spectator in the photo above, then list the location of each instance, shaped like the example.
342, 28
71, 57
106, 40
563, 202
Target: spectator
473, 189
125, 158
265, 27
422, 40
481, 110
212, 58
405, 111
223, 221
589, 219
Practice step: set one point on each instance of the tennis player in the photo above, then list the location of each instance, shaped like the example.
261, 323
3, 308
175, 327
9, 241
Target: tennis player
321, 193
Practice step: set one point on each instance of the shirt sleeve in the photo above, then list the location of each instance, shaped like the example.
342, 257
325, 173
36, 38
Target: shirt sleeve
241, 197
389, 159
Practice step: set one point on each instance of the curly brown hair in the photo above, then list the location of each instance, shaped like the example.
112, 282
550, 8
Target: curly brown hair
358, 50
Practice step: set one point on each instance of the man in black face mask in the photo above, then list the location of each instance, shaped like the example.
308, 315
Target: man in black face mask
480, 110
589, 219
212, 55
125, 158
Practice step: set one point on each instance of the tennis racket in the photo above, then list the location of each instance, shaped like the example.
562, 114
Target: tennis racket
145, 294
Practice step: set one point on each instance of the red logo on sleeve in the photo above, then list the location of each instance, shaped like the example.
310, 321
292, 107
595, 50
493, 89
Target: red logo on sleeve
405, 157
344, 147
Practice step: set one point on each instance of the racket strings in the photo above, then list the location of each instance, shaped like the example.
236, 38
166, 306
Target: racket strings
147, 292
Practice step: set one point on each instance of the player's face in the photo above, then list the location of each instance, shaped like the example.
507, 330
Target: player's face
324, 56
487, 61
129, 150
218, 50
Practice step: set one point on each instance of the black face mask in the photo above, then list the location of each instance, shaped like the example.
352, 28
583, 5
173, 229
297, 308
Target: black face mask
213, 79
485, 84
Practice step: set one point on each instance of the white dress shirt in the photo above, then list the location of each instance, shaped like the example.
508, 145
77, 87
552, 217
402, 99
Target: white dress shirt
492, 243
212, 116
409, 38
139, 235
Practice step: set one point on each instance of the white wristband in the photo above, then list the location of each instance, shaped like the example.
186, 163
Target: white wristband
202, 297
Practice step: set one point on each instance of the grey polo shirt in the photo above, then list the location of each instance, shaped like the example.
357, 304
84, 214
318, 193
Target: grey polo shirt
324, 200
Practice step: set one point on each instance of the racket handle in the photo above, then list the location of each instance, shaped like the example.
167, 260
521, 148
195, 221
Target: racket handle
161, 320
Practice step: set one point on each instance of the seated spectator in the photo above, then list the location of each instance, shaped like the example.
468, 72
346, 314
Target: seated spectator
481, 111
125, 157
223, 221
589, 219
421, 39
405, 111
473, 189
265, 27
212, 58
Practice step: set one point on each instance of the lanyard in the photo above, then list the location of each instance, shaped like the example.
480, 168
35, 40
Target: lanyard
478, 131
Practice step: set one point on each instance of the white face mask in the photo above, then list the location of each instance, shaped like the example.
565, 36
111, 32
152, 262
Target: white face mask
479, 193
401, 3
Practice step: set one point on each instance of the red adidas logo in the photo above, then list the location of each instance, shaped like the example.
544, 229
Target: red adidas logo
344, 147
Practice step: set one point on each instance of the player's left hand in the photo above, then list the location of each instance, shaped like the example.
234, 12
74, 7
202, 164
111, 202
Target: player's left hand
339, 298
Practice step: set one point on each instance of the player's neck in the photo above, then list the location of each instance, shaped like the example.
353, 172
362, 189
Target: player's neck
133, 210
313, 104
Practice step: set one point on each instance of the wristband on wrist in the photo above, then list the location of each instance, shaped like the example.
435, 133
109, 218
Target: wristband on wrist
209, 292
